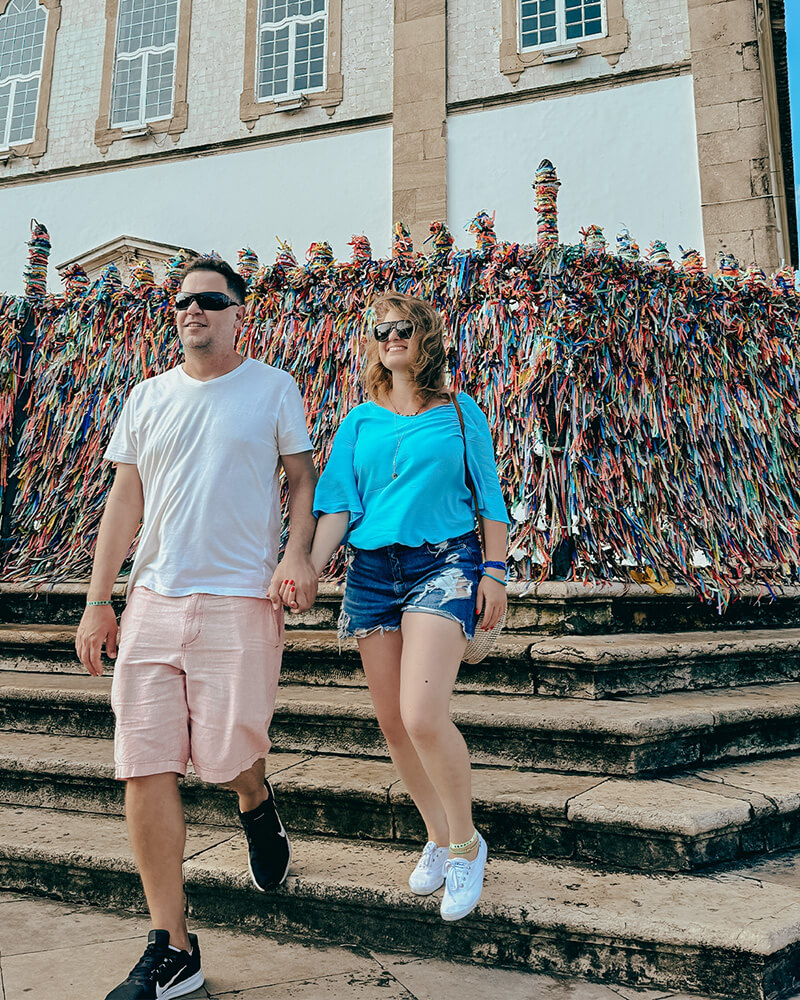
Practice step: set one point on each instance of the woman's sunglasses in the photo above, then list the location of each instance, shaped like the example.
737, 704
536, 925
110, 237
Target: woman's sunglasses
213, 301
404, 328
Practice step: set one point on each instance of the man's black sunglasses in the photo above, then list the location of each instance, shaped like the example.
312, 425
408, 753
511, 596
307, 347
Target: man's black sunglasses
404, 328
213, 301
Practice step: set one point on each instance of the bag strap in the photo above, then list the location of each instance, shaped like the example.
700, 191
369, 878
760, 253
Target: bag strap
468, 477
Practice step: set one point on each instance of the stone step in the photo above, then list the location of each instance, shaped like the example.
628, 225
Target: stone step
310, 656
680, 824
728, 934
554, 606
603, 666
633, 736
594, 666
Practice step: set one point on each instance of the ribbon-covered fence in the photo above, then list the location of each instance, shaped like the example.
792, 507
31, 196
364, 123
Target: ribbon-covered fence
644, 411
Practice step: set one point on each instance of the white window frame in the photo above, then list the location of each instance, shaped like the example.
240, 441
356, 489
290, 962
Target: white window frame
561, 41
146, 52
5, 142
292, 20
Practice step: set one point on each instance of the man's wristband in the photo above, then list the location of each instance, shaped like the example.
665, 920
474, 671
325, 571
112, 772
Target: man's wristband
94, 604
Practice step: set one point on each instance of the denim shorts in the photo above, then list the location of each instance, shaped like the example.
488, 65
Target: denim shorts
383, 584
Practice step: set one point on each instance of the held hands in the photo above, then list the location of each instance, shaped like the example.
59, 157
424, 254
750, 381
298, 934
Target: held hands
491, 599
98, 627
294, 583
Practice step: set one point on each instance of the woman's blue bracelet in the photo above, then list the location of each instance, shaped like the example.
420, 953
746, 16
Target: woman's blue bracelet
493, 565
495, 578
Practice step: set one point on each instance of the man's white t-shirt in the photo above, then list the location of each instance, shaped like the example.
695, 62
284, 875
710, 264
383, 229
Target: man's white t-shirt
207, 454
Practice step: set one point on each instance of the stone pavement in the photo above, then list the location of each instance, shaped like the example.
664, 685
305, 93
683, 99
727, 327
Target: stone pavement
56, 951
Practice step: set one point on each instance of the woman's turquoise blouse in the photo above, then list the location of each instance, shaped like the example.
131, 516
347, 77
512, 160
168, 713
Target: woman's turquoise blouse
402, 478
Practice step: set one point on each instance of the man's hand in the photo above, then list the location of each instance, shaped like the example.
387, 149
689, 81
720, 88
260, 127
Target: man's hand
294, 583
98, 627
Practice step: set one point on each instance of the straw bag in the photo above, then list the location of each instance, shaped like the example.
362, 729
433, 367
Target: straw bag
483, 643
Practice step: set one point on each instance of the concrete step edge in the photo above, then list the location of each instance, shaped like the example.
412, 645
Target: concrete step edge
16, 635
594, 650
646, 649
634, 718
633, 736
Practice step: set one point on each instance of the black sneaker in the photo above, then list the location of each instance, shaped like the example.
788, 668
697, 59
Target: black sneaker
162, 972
267, 843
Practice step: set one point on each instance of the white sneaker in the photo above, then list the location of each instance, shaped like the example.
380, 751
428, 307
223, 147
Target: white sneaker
463, 884
429, 873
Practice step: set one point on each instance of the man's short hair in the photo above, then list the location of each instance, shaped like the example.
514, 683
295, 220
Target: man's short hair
237, 287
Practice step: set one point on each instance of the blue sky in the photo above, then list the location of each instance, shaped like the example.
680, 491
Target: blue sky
793, 45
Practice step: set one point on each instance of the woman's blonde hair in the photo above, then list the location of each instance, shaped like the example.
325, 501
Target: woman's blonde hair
427, 370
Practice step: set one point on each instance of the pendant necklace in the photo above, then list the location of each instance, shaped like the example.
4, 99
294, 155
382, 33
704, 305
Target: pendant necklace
399, 436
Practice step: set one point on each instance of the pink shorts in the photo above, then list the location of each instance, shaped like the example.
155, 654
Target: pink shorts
195, 679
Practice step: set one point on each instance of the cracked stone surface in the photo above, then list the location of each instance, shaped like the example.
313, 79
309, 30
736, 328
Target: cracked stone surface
679, 910
37, 964
682, 911
39, 834
775, 779
72, 772
659, 805
644, 647
633, 716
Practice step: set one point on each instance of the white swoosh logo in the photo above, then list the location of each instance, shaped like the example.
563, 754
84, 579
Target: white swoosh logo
161, 990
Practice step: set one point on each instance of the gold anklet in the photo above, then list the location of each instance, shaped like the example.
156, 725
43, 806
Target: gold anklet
466, 847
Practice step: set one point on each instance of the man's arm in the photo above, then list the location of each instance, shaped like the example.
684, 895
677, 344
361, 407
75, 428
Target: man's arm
118, 527
296, 563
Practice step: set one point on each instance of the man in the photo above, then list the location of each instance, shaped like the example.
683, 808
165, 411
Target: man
197, 452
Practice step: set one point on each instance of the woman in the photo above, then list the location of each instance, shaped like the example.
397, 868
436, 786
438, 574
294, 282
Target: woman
396, 483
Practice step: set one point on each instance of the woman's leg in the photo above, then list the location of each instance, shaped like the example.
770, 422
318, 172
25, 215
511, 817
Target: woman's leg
431, 655
381, 656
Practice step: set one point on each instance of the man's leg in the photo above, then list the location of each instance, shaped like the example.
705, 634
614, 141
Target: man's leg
268, 848
157, 832
250, 787
231, 683
152, 735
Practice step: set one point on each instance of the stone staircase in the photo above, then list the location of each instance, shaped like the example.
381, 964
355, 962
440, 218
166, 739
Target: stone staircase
637, 761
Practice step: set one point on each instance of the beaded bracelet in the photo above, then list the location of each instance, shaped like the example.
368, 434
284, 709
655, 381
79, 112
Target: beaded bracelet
497, 578
93, 604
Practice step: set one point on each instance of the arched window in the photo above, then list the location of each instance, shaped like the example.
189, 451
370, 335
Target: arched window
536, 32
292, 57
145, 70
144, 63
23, 27
554, 22
293, 37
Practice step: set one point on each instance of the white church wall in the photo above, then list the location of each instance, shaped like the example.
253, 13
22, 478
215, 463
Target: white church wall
323, 189
625, 157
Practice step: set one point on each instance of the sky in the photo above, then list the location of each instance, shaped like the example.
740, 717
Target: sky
793, 46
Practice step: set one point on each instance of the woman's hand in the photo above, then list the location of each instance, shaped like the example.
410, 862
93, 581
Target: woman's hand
294, 583
491, 600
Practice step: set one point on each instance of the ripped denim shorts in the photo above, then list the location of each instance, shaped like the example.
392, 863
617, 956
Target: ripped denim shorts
383, 584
